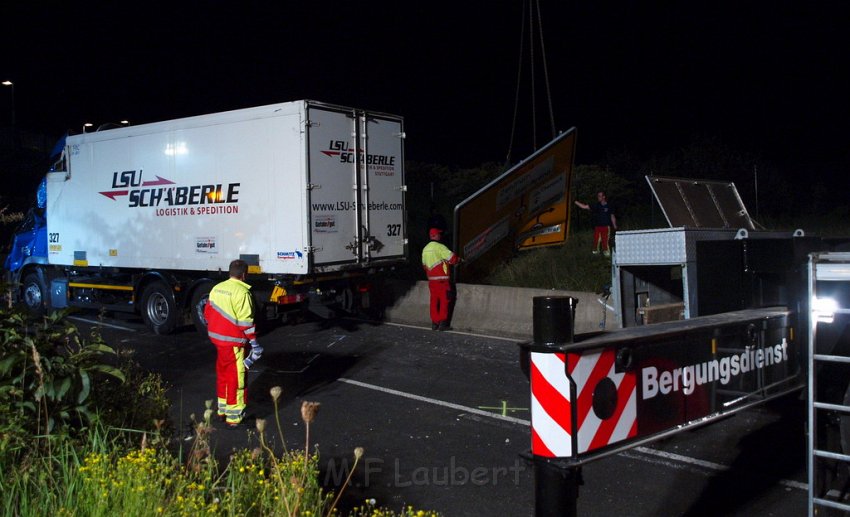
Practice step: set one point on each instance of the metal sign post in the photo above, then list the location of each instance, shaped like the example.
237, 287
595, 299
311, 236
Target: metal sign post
555, 483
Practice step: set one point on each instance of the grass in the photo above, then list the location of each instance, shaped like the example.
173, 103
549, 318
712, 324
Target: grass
101, 477
91, 463
569, 267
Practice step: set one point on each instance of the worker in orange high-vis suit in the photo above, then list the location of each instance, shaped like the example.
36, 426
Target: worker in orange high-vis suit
436, 259
230, 326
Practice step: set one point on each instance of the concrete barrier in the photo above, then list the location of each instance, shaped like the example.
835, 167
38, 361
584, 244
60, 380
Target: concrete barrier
506, 311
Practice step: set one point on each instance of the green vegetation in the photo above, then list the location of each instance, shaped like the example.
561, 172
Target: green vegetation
774, 201
46, 375
570, 267
85, 433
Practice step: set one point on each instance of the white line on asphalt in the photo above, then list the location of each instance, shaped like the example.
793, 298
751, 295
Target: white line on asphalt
681, 459
672, 456
100, 323
429, 400
502, 338
669, 456
337, 339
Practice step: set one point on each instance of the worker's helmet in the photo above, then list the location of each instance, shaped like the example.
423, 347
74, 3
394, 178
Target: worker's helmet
435, 233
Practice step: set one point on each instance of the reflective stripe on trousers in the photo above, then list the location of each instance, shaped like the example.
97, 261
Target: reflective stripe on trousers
230, 382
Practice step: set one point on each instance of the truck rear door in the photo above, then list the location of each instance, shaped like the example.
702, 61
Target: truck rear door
356, 187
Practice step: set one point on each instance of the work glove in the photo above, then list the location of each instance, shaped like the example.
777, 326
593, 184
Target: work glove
256, 352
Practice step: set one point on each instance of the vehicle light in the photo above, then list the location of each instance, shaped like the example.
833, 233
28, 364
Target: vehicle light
824, 309
291, 298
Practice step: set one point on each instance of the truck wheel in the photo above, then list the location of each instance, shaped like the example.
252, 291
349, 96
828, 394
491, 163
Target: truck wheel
199, 302
34, 294
159, 311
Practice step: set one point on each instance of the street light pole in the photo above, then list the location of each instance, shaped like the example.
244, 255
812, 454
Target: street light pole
86, 125
12, 86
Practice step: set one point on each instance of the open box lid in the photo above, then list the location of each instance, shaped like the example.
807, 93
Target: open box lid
700, 203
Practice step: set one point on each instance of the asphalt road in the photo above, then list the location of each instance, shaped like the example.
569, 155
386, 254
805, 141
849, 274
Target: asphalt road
443, 418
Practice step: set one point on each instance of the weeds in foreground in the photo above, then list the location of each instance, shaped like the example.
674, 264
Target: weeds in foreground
67, 448
106, 479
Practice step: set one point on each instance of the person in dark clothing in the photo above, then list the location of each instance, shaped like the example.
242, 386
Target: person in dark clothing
603, 219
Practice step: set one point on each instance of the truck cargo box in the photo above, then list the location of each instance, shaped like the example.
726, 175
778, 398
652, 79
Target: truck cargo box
294, 188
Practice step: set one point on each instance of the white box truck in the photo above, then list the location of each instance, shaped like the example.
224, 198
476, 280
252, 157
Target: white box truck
147, 218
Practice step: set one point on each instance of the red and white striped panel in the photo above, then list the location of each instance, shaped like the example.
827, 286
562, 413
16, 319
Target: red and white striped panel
552, 426
586, 371
551, 415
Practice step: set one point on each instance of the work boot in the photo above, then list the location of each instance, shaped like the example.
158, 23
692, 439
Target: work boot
444, 325
435, 326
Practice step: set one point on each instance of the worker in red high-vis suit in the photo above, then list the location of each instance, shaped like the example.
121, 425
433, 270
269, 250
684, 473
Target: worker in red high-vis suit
436, 259
230, 326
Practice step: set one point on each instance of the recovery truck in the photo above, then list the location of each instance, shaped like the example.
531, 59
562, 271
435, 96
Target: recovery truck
713, 316
147, 218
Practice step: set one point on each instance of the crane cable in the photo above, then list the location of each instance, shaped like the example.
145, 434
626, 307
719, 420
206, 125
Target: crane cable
516, 96
545, 71
531, 5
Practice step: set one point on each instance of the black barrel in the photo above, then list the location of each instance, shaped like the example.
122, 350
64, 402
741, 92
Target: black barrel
554, 319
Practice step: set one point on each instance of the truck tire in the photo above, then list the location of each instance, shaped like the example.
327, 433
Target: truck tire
34, 294
159, 311
199, 302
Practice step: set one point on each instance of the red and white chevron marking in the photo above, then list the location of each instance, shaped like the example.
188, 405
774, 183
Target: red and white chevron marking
551, 413
558, 413
593, 432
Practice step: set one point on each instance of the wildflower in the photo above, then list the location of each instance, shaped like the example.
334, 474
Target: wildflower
358, 453
36, 359
261, 425
276, 392
309, 410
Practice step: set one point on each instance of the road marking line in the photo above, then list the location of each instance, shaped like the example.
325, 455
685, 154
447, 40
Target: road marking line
100, 323
443, 403
504, 408
681, 459
670, 456
337, 339
486, 336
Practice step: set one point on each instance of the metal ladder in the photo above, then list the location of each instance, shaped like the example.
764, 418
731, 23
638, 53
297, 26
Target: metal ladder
824, 268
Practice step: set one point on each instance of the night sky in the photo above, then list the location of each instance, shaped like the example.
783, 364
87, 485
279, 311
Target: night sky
768, 78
